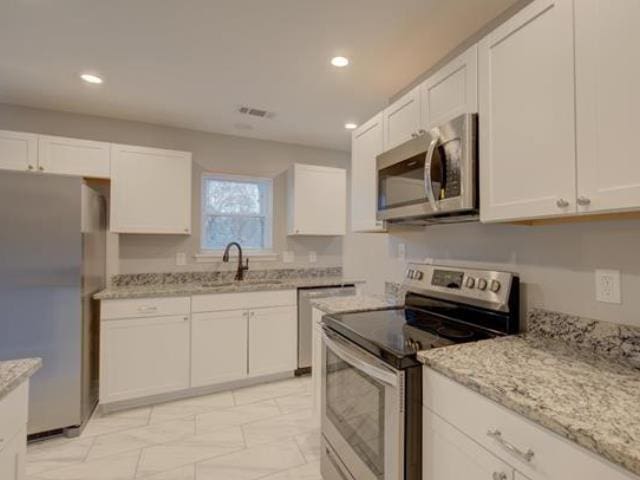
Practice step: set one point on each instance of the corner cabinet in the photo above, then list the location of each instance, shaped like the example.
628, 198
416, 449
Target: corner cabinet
18, 151
526, 104
316, 200
150, 190
367, 143
608, 104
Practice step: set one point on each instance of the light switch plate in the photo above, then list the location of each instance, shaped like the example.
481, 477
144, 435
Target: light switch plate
608, 289
181, 259
313, 257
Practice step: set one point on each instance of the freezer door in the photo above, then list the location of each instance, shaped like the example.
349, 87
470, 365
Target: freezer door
40, 290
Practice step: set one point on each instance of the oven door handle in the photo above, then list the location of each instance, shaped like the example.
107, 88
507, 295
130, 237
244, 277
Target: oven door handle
428, 186
360, 361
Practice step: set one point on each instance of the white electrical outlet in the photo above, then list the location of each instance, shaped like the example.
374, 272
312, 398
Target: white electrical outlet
402, 251
608, 286
181, 259
313, 257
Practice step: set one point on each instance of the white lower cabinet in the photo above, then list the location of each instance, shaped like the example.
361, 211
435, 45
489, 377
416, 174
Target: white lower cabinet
143, 357
448, 454
273, 340
468, 436
13, 433
218, 347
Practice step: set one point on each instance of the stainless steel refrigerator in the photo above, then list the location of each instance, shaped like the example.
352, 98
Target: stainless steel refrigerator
52, 260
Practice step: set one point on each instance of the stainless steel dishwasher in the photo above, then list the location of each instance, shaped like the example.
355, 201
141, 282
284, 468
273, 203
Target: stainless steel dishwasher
305, 296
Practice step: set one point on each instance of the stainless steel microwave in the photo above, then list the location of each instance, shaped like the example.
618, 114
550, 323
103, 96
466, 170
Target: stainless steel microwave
432, 178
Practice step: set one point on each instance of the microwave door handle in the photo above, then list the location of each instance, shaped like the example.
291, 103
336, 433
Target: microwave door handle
385, 376
428, 186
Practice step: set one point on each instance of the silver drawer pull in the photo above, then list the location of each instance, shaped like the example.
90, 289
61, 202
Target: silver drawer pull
147, 309
497, 436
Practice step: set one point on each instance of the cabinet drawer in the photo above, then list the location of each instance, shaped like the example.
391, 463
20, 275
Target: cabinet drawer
13, 413
243, 301
553, 456
145, 307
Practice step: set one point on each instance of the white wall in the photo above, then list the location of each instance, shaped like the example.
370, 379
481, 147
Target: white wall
211, 152
556, 263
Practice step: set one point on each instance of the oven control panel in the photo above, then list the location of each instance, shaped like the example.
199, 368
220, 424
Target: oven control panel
486, 288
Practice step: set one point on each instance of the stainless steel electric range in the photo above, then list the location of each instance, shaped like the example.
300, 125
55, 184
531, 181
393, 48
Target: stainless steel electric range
371, 378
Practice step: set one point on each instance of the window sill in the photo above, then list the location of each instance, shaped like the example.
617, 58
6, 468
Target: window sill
214, 256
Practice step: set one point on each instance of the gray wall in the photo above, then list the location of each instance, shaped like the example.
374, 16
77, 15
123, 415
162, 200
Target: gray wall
211, 152
556, 263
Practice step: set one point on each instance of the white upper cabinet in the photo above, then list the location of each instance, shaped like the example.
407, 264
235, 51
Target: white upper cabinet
18, 151
71, 156
526, 104
366, 144
316, 200
150, 190
402, 119
451, 91
608, 104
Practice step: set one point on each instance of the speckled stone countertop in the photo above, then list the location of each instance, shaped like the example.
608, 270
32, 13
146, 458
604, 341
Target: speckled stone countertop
14, 372
584, 394
354, 303
196, 288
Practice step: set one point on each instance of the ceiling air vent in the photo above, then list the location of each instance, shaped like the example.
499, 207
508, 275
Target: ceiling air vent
255, 112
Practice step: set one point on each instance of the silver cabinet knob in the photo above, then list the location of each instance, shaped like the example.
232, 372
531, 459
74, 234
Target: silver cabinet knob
499, 476
562, 203
422, 131
41, 168
414, 135
30, 167
583, 201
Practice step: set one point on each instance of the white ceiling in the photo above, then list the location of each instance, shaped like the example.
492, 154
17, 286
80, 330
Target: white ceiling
192, 63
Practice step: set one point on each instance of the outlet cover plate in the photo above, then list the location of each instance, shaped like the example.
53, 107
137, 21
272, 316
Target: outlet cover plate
608, 289
181, 259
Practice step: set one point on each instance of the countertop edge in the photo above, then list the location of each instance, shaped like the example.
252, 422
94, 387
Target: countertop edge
112, 293
31, 365
579, 438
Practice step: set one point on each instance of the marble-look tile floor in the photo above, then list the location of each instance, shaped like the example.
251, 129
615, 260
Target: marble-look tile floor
260, 432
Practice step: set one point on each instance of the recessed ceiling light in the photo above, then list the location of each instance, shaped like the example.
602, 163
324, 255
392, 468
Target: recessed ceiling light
340, 61
91, 78
350, 126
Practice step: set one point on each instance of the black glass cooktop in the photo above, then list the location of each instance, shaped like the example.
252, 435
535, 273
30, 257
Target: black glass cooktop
395, 335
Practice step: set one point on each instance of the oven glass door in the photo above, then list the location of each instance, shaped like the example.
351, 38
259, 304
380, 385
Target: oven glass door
355, 407
362, 414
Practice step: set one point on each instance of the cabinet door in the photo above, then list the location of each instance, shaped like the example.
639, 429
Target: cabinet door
451, 91
150, 190
448, 454
317, 200
526, 100
366, 144
18, 151
402, 119
13, 457
218, 347
143, 356
608, 102
71, 156
273, 340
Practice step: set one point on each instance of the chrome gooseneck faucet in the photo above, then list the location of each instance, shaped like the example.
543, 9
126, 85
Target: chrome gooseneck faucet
241, 267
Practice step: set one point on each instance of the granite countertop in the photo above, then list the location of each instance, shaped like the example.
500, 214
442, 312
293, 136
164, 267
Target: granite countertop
354, 303
14, 372
577, 393
199, 288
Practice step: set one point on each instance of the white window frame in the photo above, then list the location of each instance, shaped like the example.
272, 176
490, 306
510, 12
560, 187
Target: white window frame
208, 255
